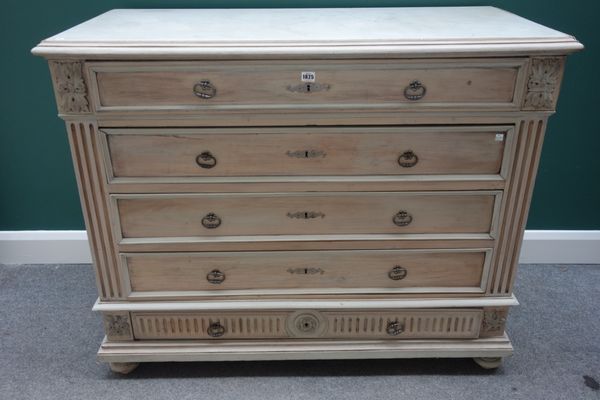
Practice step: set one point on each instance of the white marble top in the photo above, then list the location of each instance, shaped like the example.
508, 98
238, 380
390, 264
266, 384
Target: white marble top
189, 31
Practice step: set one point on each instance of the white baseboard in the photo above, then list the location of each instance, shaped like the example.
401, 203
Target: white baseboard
71, 247
44, 247
560, 247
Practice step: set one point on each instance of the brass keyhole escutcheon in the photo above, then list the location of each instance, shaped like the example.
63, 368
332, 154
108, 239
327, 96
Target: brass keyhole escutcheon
309, 87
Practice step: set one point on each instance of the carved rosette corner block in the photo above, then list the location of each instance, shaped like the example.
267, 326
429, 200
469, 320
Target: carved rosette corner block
69, 87
118, 326
543, 83
493, 322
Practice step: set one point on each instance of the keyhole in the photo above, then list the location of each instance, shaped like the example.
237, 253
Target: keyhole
306, 154
305, 215
305, 271
308, 87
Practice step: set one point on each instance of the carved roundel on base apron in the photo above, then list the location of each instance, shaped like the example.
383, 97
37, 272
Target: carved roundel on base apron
306, 324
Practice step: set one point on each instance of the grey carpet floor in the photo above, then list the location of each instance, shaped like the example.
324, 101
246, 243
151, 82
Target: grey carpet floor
49, 336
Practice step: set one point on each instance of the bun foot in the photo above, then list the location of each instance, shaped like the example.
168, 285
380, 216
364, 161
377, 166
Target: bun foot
123, 367
488, 362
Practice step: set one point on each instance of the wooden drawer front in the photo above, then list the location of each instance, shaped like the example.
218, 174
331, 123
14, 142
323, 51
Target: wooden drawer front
187, 153
197, 215
299, 272
277, 85
362, 324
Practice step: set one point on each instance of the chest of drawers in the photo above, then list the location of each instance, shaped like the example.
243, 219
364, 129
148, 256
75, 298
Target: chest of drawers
318, 183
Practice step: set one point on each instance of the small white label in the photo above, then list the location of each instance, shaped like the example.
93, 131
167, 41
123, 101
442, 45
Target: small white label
308, 76
499, 137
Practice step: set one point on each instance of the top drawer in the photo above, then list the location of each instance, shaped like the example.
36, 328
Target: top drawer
354, 84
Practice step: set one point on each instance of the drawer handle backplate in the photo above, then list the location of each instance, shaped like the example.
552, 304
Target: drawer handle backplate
415, 91
397, 273
308, 87
402, 218
408, 159
215, 277
206, 160
205, 90
394, 328
211, 221
215, 330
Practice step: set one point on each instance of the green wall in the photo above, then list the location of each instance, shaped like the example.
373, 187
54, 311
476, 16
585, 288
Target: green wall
37, 183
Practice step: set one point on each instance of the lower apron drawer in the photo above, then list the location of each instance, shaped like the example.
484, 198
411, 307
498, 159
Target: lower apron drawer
361, 324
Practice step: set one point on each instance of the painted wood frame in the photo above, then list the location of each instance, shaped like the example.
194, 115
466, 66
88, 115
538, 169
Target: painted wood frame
522, 74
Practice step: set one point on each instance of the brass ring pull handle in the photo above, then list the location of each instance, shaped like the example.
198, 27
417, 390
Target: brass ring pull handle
215, 330
211, 221
415, 91
408, 159
215, 277
402, 218
206, 160
394, 328
397, 273
205, 90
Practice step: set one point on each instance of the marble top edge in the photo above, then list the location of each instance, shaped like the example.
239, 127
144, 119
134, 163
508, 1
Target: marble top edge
305, 27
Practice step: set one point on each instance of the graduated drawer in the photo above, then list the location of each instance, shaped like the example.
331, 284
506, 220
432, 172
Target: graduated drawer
305, 272
303, 324
182, 154
239, 85
192, 215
